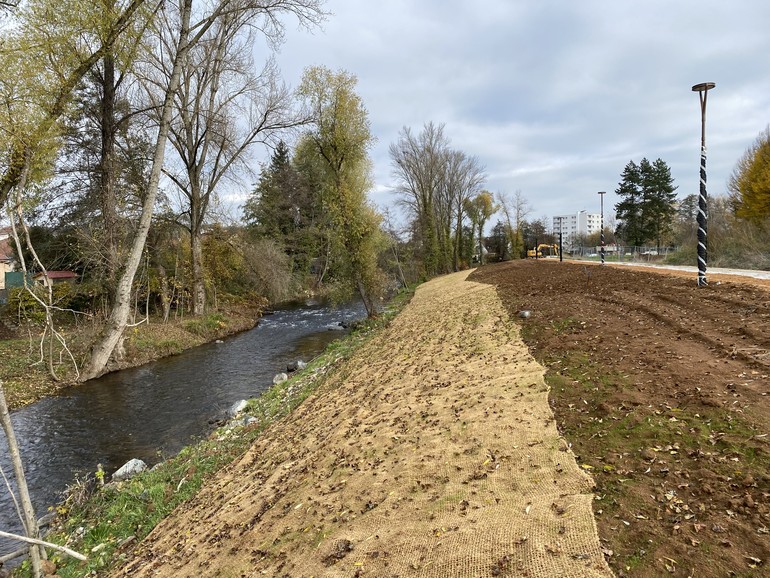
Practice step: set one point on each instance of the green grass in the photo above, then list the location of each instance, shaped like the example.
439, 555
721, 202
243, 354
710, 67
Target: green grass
206, 325
132, 508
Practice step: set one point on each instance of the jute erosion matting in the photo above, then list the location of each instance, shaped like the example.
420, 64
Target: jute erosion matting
432, 453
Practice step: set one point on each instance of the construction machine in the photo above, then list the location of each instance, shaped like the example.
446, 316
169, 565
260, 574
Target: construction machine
543, 250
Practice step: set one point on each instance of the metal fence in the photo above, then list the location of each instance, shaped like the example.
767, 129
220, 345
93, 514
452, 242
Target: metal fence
619, 253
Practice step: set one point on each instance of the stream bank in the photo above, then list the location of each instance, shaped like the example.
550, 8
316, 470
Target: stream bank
108, 523
26, 380
152, 411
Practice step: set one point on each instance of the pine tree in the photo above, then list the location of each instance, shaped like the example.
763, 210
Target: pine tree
629, 210
284, 207
659, 195
648, 204
268, 212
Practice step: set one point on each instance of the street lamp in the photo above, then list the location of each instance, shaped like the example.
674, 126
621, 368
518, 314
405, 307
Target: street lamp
601, 222
702, 90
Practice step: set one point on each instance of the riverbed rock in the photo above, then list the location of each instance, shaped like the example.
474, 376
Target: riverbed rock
296, 366
241, 422
129, 470
237, 408
280, 378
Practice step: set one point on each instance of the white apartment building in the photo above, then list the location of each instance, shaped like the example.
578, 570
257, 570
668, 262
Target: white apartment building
572, 226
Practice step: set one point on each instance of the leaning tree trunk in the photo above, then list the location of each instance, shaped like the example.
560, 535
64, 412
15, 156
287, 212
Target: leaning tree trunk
116, 324
371, 310
28, 512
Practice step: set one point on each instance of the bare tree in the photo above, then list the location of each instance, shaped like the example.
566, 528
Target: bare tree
221, 110
176, 51
418, 163
434, 182
515, 210
464, 178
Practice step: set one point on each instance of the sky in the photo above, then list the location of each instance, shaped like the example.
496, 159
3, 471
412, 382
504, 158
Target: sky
554, 97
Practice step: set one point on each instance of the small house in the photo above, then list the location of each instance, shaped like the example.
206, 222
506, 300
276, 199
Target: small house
54, 277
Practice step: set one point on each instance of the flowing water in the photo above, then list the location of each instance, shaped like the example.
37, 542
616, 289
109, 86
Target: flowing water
154, 410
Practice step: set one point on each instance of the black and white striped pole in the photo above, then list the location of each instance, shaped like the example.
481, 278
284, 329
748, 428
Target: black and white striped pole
702, 90
601, 223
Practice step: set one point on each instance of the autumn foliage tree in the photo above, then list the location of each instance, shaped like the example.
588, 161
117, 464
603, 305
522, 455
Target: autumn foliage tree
749, 184
340, 140
479, 209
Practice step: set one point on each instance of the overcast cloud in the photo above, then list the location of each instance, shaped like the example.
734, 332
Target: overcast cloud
553, 96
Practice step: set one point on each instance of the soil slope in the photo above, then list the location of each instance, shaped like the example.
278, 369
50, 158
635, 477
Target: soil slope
432, 452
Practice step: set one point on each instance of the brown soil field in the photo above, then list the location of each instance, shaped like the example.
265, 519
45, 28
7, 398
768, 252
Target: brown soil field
663, 390
433, 451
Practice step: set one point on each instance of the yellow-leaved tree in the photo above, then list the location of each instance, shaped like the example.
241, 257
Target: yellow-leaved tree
749, 184
342, 138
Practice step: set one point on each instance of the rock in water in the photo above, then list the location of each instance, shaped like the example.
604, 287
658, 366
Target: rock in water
280, 378
296, 366
129, 470
237, 408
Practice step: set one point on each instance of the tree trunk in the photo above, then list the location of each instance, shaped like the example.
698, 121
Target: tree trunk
116, 324
165, 297
458, 240
30, 521
371, 310
107, 171
198, 280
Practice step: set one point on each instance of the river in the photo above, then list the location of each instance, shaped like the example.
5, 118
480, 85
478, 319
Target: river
153, 411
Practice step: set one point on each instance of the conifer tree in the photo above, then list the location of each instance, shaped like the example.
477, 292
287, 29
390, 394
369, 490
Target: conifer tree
648, 207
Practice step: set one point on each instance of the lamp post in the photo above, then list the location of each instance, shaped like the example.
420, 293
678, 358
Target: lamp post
601, 223
702, 90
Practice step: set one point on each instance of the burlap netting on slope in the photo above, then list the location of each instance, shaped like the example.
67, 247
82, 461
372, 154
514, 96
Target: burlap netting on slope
432, 453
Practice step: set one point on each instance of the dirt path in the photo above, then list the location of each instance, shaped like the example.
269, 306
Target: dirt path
432, 453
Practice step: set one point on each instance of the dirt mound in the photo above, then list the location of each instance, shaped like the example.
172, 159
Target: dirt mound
663, 389
432, 452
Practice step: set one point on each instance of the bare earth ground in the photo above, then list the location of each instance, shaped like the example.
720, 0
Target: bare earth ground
663, 390
432, 452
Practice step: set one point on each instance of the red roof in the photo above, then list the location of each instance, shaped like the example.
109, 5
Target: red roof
57, 275
6, 254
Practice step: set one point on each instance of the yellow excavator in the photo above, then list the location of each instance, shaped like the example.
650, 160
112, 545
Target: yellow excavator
543, 250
